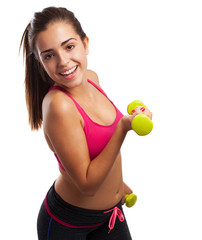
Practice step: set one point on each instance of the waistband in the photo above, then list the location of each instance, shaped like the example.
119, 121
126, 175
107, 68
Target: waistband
76, 217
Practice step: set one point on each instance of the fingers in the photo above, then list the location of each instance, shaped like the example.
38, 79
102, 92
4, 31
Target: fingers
148, 113
123, 200
142, 110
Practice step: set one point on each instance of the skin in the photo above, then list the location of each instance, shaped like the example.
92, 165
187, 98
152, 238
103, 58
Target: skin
96, 184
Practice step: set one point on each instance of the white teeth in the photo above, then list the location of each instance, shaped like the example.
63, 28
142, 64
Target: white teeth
68, 72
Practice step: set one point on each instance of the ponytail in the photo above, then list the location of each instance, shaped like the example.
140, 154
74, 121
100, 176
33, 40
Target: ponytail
37, 83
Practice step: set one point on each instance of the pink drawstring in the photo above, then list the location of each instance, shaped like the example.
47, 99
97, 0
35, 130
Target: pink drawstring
112, 220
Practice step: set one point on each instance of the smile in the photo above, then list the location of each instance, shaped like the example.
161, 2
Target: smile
69, 72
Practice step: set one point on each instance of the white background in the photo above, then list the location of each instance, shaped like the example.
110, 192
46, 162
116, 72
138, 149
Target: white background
149, 50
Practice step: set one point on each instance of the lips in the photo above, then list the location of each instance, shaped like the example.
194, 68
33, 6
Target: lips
69, 72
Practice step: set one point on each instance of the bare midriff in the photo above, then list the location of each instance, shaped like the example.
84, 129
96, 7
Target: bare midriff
107, 196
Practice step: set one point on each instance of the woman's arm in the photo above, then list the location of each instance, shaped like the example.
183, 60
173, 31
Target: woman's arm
63, 126
99, 168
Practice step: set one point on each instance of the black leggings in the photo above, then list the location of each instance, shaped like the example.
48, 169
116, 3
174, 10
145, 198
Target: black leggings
58, 220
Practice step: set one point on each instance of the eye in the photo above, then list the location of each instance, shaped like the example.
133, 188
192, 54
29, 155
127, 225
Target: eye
48, 56
70, 47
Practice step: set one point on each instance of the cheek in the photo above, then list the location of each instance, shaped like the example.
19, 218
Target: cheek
81, 56
49, 68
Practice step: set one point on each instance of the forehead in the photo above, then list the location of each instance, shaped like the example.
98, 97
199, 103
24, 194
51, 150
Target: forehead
54, 35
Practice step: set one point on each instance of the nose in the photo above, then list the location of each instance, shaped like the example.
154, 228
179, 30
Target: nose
63, 59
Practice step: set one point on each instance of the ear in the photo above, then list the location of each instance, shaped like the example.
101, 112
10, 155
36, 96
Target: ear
86, 44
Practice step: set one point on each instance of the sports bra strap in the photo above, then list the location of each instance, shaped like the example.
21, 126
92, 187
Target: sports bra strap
83, 113
75, 102
99, 88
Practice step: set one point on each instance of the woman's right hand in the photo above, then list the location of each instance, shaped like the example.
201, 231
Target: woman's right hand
127, 119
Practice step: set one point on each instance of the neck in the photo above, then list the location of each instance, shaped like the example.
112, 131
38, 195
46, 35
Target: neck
81, 90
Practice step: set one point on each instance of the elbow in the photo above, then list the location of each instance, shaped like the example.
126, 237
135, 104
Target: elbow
88, 191
89, 194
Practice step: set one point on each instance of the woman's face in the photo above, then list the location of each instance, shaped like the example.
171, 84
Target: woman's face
63, 54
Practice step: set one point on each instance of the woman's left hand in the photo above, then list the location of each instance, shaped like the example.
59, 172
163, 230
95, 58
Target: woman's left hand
126, 190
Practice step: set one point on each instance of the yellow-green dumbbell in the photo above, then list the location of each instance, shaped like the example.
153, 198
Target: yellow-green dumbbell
141, 123
130, 199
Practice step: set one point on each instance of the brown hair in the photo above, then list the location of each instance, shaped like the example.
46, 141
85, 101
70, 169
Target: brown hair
37, 81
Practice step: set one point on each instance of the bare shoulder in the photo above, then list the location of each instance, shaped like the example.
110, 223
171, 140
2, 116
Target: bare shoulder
57, 104
56, 101
93, 76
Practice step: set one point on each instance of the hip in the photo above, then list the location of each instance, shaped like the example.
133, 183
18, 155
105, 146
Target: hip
71, 215
58, 219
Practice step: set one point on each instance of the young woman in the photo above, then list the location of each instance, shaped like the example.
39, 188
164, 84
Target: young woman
82, 127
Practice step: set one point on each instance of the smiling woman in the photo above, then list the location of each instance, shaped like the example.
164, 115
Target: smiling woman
63, 56
66, 97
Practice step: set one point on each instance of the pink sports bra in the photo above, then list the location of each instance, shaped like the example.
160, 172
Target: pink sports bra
97, 135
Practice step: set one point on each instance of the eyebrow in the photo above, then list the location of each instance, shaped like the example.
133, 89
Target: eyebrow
63, 43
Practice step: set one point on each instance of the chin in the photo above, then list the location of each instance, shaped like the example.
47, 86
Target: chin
71, 83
